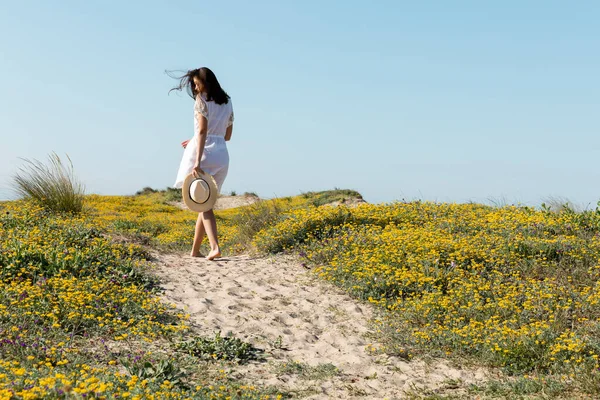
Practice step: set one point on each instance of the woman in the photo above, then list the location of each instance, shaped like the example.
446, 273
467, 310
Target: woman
207, 150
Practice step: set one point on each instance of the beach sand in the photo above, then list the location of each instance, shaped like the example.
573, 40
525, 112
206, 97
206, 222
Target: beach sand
279, 306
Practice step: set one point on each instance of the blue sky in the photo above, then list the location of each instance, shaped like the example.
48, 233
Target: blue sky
434, 100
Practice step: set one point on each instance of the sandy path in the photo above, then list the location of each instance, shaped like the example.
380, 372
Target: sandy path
225, 202
275, 300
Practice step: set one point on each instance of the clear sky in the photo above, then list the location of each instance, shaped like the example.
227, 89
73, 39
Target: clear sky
435, 100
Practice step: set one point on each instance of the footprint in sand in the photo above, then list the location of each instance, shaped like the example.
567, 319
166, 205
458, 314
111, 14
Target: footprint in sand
240, 292
280, 319
236, 307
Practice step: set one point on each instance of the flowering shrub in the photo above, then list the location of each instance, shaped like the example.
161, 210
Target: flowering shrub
70, 298
148, 220
513, 286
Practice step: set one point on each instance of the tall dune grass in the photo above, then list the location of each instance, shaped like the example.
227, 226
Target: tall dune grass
53, 186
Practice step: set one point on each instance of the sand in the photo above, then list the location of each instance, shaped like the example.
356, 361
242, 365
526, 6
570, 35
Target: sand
225, 202
278, 305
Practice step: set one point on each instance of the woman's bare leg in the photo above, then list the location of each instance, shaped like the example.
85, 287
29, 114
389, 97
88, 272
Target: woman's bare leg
198, 237
210, 226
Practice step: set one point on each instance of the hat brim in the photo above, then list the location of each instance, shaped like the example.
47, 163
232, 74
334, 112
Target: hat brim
212, 196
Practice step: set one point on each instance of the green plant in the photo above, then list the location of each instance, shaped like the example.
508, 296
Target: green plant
220, 348
142, 232
331, 196
146, 190
53, 186
277, 344
172, 194
547, 388
163, 370
297, 228
253, 218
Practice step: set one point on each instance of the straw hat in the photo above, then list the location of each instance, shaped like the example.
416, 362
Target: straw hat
199, 194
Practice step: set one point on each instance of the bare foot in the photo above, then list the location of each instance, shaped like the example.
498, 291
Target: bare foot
198, 254
213, 254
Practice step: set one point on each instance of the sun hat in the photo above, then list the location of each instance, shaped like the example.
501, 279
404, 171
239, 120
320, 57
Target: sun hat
199, 194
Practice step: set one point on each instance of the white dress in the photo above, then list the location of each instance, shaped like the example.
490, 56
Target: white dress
215, 159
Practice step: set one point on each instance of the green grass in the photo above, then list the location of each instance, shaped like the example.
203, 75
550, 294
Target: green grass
320, 372
252, 219
169, 194
523, 388
330, 196
52, 186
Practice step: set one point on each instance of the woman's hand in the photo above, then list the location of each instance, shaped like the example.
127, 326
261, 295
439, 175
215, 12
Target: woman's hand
185, 143
197, 171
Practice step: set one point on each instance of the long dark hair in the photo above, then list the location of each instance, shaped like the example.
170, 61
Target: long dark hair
214, 91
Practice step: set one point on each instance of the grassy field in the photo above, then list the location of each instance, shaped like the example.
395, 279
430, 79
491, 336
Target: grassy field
508, 287
513, 288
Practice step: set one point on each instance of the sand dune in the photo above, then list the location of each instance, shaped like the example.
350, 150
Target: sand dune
276, 300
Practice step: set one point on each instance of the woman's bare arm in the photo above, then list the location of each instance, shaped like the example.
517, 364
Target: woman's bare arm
203, 127
228, 133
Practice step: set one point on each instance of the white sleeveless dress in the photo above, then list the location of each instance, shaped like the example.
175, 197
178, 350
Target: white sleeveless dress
215, 159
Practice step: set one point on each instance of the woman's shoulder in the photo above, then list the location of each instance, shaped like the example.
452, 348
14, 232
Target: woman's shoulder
201, 105
200, 98
224, 105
